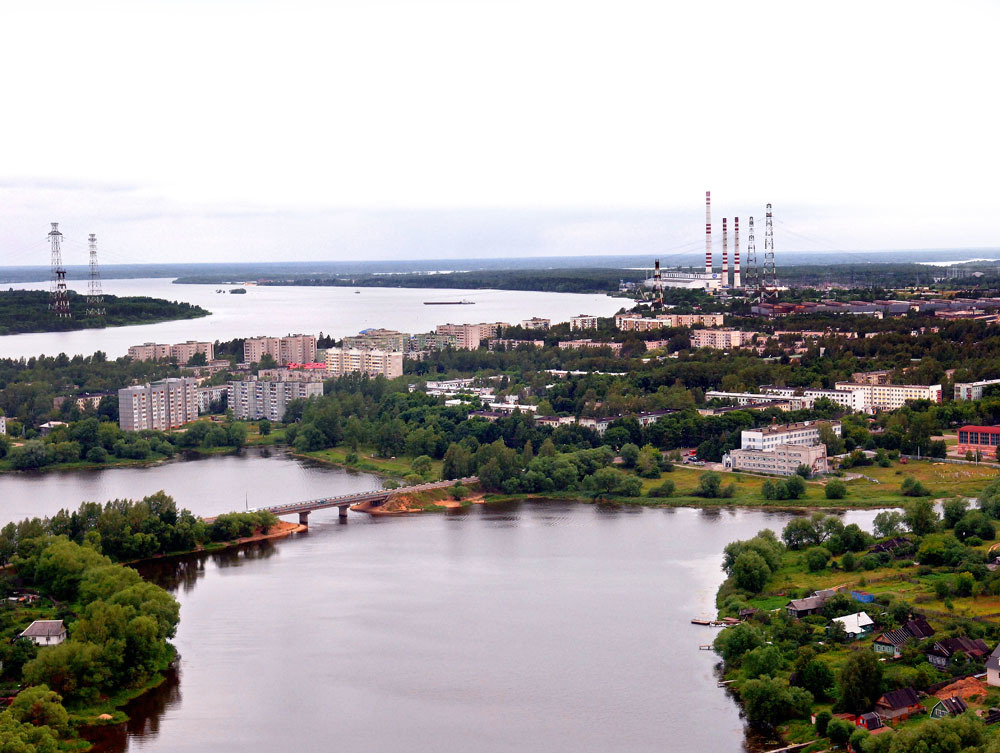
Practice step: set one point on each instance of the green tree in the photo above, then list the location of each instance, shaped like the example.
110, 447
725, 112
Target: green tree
953, 510
888, 524
734, 642
421, 465
629, 454
41, 707
763, 660
920, 516
859, 682
457, 462
264, 427
751, 572
817, 558
836, 489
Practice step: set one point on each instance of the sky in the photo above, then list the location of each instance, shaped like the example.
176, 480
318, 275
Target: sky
201, 130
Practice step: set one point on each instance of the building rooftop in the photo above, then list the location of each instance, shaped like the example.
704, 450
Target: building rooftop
44, 629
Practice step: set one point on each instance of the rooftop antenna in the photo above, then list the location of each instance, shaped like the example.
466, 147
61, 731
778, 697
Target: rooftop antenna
60, 296
95, 298
769, 281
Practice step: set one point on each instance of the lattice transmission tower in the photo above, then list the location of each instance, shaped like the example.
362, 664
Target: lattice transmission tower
95, 297
752, 281
60, 296
769, 280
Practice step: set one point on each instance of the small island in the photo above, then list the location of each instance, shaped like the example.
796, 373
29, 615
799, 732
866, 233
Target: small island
24, 311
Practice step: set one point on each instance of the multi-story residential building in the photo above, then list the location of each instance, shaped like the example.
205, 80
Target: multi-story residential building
583, 321
891, 396
209, 395
466, 335
371, 362
256, 399
721, 339
424, 341
981, 439
507, 344
616, 348
378, 339
637, 323
181, 351
91, 399
3, 425
489, 330
161, 405
973, 390
852, 399
536, 323
289, 349
296, 375
781, 460
769, 437
872, 377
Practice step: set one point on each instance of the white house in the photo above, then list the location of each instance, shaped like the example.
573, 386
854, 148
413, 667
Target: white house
45, 632
993, 668
856, 625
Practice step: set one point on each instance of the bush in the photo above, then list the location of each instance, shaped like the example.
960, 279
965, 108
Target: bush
913, 488
666, 489
822, 720
97, 455
836, 489
817, 558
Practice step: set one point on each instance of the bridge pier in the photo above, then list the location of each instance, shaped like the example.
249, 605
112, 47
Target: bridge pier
304, 518
342, 512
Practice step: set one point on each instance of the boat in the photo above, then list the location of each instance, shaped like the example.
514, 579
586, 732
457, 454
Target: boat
463, 302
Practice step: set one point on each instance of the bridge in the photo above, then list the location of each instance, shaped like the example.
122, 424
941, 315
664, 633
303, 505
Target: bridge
377, 497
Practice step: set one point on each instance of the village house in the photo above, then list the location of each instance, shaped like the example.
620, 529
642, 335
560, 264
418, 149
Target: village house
948, 707
889, 545
898, 705
891, 642
993, 668
870, 721
919, 628
856, 625
945, 650
45, 632
799, 608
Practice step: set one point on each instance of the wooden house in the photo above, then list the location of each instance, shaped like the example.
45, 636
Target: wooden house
948, 707
898, 705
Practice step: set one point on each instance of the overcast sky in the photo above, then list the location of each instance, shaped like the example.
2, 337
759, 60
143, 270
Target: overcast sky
345, 129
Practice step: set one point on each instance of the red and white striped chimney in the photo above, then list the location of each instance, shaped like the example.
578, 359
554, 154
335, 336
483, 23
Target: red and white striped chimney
725, 256
737, 282
708, 232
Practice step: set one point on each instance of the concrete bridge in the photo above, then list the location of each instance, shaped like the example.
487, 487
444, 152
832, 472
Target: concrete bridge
377, 497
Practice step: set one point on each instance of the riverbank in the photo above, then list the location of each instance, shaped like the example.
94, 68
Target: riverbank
432, 500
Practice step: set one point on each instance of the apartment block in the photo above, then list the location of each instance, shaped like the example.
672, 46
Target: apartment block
181, 351
616, 348
209, 395
254, 400
370, 362
637, 323
721, 339
378, 339
973, 390
161, 405
295, 375
851, 399
782, 460
284, 350
489, 330
423, 341
872, 377
536, 323
583, 321
769, 437
891, 396
466, 335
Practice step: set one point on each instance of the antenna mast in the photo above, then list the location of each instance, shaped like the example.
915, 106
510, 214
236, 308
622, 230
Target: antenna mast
60, 296
95, 297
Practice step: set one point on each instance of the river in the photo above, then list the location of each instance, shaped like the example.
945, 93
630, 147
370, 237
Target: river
273, 310
523, 627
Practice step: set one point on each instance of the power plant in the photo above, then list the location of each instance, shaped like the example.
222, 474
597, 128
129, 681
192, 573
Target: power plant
759, 283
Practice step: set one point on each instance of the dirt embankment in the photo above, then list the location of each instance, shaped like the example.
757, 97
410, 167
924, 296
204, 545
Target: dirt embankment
426, 501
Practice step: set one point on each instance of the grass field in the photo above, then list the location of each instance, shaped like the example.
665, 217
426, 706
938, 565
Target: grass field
368, 461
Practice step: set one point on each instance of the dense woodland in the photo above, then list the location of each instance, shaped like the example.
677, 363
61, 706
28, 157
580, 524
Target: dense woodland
30, 311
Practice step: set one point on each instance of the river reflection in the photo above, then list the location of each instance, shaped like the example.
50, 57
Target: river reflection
522, 626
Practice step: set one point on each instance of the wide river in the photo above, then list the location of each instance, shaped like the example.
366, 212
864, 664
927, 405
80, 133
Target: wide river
287, 310
524, 627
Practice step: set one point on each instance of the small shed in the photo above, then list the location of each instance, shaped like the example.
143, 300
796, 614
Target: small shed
45, 632
870, 721
948, 707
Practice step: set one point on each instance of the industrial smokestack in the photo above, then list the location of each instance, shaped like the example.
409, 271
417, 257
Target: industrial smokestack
708, 232
725, 256
737, 282
656, 270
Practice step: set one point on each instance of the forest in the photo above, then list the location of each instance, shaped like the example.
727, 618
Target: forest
31, 311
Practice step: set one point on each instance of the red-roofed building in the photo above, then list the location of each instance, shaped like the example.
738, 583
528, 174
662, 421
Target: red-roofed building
984, 439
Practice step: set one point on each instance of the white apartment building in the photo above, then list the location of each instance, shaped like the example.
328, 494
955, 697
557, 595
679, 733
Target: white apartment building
768, 437
721, 339
371, 362
378, 339
466, 335
209, 395
284, 350
161, 405
536, 323
583, 321
851, 399
294, 375
254, 400
782, 460
181, 351
891, 396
